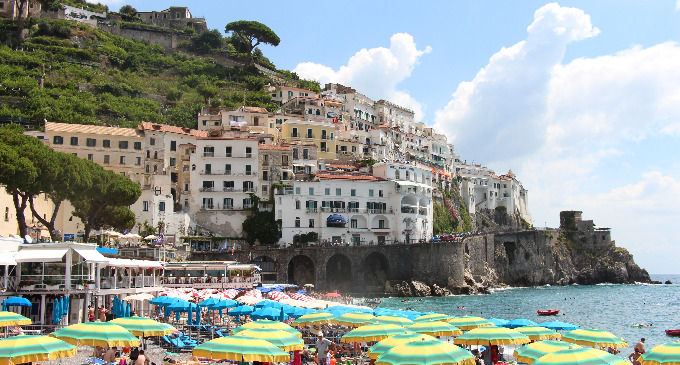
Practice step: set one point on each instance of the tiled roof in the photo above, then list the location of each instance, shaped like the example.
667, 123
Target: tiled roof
146, 126
342, 166
254, 109
227, 138
274, 147
51, 127
348, 177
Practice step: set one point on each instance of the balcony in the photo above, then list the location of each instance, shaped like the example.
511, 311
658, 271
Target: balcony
206, 189
312, 210
208, 154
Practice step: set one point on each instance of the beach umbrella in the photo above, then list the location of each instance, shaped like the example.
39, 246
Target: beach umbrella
139, 297
25, 349
498, 322
286, 341
521, 322
268, 304
225, 303
163, 300
488, 336
239, 348
468, 323
299, 312
580, 356
13, 319
355, 319
243, 310
432, 317
145, 327
536, 333
198, 316
426, 352
313, 318
15, 302
105, 334
594, 338
264, 323
435, 328
666, 354
210, 302
267, 313
333, 295
179, 306
533, 351
393, 319
128, 309
558, 326
383, 346
372, 332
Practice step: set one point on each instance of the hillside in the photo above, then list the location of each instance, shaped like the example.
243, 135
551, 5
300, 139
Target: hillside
71, 73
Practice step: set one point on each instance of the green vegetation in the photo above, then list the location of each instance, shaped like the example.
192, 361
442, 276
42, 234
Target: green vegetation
465, 216
443, 221
249, 34
261, 225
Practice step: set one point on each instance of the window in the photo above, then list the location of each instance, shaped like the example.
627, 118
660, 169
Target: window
265, 159
122, 160
248, 187
74, 141
161, 206
185, 168
265, 189
106, 158
208, 169
353, 223
295, 133
90, 156
354, 149
370, 192
327, 191
381, 223
323, 134
305, 154
338, 191
145, 206
228, 203
353, 192
311, 223
295, 153
186, 187
331, 136
152, 141
380, 193
265, 175
297, 191
310, 134
248, 170
284, 160
249, 152
228, 186
297, 222
227, 169
207, 203
172, 161
227, 152
138, 146
208, 151
138, 162
323, 147
311, 191
297, 204
91, 142
123, 145
247, 203
58, 140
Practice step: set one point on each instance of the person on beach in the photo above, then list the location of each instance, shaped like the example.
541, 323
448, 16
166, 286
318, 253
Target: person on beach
141, 359
110, 355
640, 346
635, 356
322, 347
102, 314
90, 313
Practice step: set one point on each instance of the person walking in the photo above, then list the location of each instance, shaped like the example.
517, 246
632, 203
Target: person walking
322, 347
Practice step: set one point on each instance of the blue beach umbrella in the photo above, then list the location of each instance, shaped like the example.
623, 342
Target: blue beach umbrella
225, 303
210, 302
498, 322
163, 300
268, 303
557, 325
520, 322
16, 302
128, 309
179, 306
66, 303
198, 316
190, 319
243, 310
267, 313
298, 312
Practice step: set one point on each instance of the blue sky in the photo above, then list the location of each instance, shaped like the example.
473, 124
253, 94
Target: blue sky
581, 99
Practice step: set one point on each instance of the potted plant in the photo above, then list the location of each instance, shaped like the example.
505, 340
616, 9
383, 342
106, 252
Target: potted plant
51, 285
89, 284
26, 285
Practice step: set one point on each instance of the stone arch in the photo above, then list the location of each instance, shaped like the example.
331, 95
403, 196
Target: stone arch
375, 223
269, 267
301, 270
339, 273
409, 204
376, 271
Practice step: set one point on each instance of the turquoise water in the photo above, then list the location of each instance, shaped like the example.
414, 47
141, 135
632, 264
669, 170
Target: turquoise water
612, 308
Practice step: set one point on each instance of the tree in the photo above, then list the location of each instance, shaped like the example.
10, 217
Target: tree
207, 91
208, 41
252, 33
128, 10
108, 192
260, 225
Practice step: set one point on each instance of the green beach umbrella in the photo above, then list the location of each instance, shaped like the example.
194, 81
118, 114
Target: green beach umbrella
145, 327
354, 319
580, 356
491, 336
239, 348
594, 338
313, 318
426, 352
539, 333
265, 323
391, 319
104, 334
435, 328
533, 351
372, 332
433, 317
666, 354
25, 349
286, 341
13, 319
468, 323
383, 345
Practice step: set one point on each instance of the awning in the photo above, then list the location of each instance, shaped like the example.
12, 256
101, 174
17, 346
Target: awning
134, 263
40, 255
90, 254
242, 267
7, 258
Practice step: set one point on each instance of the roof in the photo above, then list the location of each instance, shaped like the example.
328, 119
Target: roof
146, 126
342, 166
294, 88
52, 127
274, 147
348, 177
228, 139
255, 109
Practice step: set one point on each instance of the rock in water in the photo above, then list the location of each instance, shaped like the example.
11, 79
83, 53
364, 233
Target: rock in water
420, 289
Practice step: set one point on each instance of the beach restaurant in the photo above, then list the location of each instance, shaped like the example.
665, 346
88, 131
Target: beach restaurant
44, 272
212, 275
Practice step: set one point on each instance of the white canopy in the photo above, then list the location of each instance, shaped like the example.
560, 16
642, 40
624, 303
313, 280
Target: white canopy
140, 297
91, 254
7, 258
41, 255
134, 263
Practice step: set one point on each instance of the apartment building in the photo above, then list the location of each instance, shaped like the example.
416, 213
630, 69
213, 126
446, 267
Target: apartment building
321, 134
276, 166
282, 94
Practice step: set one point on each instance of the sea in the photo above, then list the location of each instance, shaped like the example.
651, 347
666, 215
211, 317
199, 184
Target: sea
610, 307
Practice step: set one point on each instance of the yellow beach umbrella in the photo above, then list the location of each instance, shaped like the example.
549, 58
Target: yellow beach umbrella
279, 338
145, 327
265, 323
468, 323
533, 351
313, 318
666, 354
383, 346
104, 334
372, 332
584, 356
433, 317
539, 333
239, 348
399, 321
435, 328
13, 319
426, 352
354, 319
594, 338
491, 336
24, 349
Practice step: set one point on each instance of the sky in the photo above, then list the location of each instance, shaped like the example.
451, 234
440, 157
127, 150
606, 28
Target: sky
581, 99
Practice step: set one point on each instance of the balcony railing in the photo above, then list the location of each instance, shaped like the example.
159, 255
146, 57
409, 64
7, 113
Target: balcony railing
312, 210
208, 154
206, 189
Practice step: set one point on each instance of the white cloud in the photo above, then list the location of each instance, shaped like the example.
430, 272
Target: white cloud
375, 72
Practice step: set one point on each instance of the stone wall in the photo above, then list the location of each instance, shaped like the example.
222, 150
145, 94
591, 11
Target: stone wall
169, 40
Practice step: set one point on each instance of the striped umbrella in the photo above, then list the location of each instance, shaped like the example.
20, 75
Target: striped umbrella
491, 336
539, 333
559, 326
105, 334
533, 351
354, 319
468, 323
666, 354
239, 348
372, 332
392, 319
313, 318
594, 338
286, 341
13, 319
435, 328
580, 356
433, 317
520, 322
265, 323
426, 352
145, 327
24, 349
384, 345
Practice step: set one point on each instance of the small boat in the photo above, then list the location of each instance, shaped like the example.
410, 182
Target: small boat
548, 312
673, 332
642, 325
